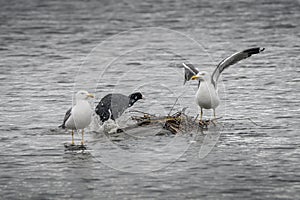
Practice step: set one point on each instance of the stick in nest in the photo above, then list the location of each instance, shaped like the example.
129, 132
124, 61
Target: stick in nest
173, 106
137, 111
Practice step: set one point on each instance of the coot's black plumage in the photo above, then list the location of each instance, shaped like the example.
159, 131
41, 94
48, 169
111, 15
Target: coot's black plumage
113, 105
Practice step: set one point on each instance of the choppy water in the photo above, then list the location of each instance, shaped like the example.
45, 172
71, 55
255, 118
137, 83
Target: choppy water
45, 44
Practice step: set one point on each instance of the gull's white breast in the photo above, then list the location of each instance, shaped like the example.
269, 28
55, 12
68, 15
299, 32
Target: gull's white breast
81, 116
206, 96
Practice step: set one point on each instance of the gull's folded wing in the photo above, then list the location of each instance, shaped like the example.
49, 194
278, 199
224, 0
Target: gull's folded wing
67, 116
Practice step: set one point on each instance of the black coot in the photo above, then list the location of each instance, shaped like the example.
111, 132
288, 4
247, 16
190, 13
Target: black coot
113, 105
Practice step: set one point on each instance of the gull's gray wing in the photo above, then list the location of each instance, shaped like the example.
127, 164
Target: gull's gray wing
234, 58
189, 71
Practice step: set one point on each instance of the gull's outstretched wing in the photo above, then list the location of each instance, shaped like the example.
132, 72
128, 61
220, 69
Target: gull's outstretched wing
189, 71
234, 58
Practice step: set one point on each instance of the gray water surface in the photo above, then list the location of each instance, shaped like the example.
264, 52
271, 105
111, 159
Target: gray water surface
51, 49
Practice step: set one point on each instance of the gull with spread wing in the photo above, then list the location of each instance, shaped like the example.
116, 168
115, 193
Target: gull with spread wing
207, 95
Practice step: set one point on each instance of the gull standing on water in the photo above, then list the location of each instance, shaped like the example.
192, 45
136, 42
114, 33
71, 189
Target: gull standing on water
207, 95
79, 116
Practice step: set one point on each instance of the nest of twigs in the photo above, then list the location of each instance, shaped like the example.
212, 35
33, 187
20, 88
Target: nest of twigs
178, 122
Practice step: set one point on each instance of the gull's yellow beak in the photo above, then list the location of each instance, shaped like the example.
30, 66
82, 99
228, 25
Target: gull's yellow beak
195, 77
91, 96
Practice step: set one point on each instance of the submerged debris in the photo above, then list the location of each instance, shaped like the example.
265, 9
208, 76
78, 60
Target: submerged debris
74, 147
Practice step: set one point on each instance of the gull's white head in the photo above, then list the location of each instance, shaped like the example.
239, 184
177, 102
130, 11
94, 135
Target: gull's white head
83, 95
202, 76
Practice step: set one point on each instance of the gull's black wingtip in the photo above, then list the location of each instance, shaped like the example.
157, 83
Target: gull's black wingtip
62, 126
254, 50
184, 81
